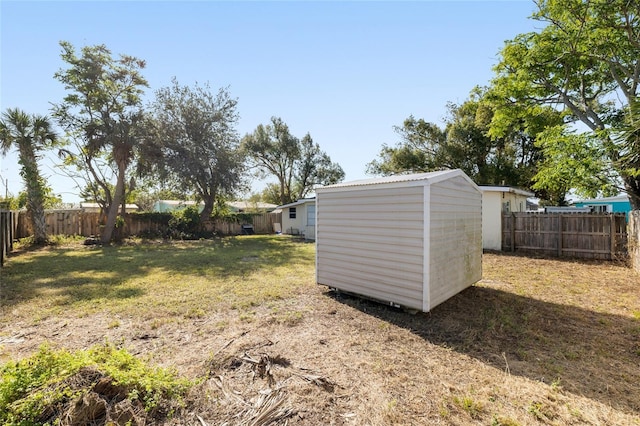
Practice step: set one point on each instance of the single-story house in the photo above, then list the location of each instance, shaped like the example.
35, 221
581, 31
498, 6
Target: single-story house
566, 209
618, 204
248, 206
95, 207
167, 206
496, 201
299, 218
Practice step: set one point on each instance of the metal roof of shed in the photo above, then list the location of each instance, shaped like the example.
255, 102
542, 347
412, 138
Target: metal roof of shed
414, 178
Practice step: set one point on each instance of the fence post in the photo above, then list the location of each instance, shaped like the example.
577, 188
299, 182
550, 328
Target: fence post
513, 232
3, 235
13, 223
560, 235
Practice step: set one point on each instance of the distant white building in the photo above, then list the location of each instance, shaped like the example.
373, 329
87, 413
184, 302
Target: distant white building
248, 206
95, 207
496, 201
299, 218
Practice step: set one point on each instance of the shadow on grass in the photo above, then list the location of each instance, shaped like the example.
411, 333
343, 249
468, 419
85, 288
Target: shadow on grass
85, 273
587, 353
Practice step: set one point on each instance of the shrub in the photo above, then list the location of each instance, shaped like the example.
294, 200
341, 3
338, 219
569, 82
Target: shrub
87, 386
185, 223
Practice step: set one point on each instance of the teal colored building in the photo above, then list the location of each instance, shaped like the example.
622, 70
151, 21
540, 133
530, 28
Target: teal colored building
618, 204
167, 206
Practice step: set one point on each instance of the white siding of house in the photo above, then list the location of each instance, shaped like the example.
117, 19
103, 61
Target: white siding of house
516, 203
492, 220
370, 242
297, 223
493, 207
301, 222
455, 238
310, 221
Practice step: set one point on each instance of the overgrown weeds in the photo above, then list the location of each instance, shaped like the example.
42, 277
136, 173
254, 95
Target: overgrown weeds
102, 384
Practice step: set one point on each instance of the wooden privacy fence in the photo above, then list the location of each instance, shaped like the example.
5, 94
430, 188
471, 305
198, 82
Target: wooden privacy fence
8, 224
262, 224
634, 239
62, 222
78, 222
581, 235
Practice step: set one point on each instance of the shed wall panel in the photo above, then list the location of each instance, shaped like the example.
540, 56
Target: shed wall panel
455, 246
389, 250
390, 267
370, 243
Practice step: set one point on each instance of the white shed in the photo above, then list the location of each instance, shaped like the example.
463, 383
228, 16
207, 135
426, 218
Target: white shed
409, 240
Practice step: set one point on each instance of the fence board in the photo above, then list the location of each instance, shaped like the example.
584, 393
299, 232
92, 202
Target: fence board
4, 235
583, 235
8, 223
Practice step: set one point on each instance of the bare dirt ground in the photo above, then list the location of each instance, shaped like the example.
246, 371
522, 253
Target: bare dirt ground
537, 341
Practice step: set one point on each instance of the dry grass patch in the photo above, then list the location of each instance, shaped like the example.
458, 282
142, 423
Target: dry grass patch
538, 341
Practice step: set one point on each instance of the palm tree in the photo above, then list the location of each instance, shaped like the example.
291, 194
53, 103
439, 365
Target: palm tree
628, 140
29, 134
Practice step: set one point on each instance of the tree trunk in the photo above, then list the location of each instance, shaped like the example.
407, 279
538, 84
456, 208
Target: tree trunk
35, 198
112, 214
205, 214
632, 186
283, 200
38, 221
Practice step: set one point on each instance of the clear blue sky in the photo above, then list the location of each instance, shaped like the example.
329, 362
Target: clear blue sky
346, 72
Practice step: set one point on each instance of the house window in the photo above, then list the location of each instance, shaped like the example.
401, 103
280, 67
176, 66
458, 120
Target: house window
602, 208
311, 215
292, 212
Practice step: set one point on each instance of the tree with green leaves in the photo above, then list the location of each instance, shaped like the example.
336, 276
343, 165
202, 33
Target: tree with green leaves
51, 200
102, 111
585, 61
466, 143
526, 128
298, 165
313, 168
571, 160
422, 148
628, 139
30, 135
191, 143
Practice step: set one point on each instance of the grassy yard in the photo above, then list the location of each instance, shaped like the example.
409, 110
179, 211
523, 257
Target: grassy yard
537, 341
